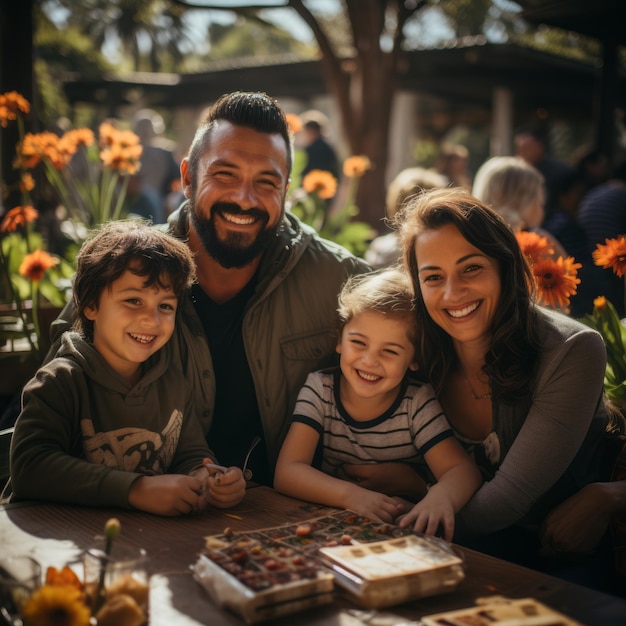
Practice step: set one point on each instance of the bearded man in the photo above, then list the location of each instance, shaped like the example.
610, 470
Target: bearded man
262, 314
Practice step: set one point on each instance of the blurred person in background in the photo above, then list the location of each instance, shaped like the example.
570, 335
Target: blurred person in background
602, 215
515, 190
159, 170
320, 155
531, 144
383, 251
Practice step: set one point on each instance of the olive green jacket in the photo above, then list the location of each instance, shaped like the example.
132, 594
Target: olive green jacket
289, 326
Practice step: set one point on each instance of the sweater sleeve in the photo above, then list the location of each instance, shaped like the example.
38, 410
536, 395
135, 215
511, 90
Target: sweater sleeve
46, 447
565, 400
192, 446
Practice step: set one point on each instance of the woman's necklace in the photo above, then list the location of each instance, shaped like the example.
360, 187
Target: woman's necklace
484, 396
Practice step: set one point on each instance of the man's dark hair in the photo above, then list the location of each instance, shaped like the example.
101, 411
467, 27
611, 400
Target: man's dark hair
128, 245
255, 110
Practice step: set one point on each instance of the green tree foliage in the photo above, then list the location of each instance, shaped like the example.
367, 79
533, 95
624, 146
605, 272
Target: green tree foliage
58, 52
253, 37
151, 32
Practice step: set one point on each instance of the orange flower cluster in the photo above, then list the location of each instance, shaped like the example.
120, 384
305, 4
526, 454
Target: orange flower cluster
18, 217
355, 166
320, 182
12, 103
556, 280
120, 150
48, 146
612, 255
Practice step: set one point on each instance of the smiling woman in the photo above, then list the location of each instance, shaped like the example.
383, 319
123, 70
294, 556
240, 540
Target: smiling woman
539, 431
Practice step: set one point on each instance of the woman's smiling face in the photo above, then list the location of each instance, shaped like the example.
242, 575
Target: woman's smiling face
460, 284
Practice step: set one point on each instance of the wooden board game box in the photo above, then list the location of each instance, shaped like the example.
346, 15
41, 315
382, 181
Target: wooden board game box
501, 611
274, 571
392, 571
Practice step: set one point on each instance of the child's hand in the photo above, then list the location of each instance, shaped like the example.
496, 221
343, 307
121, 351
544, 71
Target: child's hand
434, 511
225, 489
375, 506
167, 494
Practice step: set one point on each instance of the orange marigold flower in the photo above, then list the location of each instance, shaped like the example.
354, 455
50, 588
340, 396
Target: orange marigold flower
36, 264
18, 216
79, 137
34, 147
533, 246
556, 280
12, 103
123, 158
322, 183
26, 183
72, 140
599, 303
106, 133
65, 577
294, 123
356, 166
612, 255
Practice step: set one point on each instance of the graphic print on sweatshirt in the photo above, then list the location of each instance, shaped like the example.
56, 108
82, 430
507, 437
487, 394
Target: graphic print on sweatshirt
133, 449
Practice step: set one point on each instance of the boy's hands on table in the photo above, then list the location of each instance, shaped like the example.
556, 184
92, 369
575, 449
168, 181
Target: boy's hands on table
167, 494
223, 487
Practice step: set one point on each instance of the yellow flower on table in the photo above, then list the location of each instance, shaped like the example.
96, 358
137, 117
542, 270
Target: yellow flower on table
56, 605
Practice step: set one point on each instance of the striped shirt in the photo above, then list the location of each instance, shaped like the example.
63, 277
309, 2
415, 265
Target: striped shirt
413, 424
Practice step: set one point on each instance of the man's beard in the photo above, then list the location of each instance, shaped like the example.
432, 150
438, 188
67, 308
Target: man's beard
235, 250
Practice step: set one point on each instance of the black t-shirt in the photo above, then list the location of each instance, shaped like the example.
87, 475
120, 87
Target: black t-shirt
236, 420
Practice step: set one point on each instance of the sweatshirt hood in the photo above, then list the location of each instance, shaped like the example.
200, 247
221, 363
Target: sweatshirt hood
75, 347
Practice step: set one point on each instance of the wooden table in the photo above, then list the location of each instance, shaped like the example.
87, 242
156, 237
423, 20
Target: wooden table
55, 534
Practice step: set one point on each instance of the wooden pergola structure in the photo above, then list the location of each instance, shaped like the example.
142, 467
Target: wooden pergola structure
604, 20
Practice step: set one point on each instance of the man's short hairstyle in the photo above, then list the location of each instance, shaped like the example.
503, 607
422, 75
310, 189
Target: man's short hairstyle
255, 110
